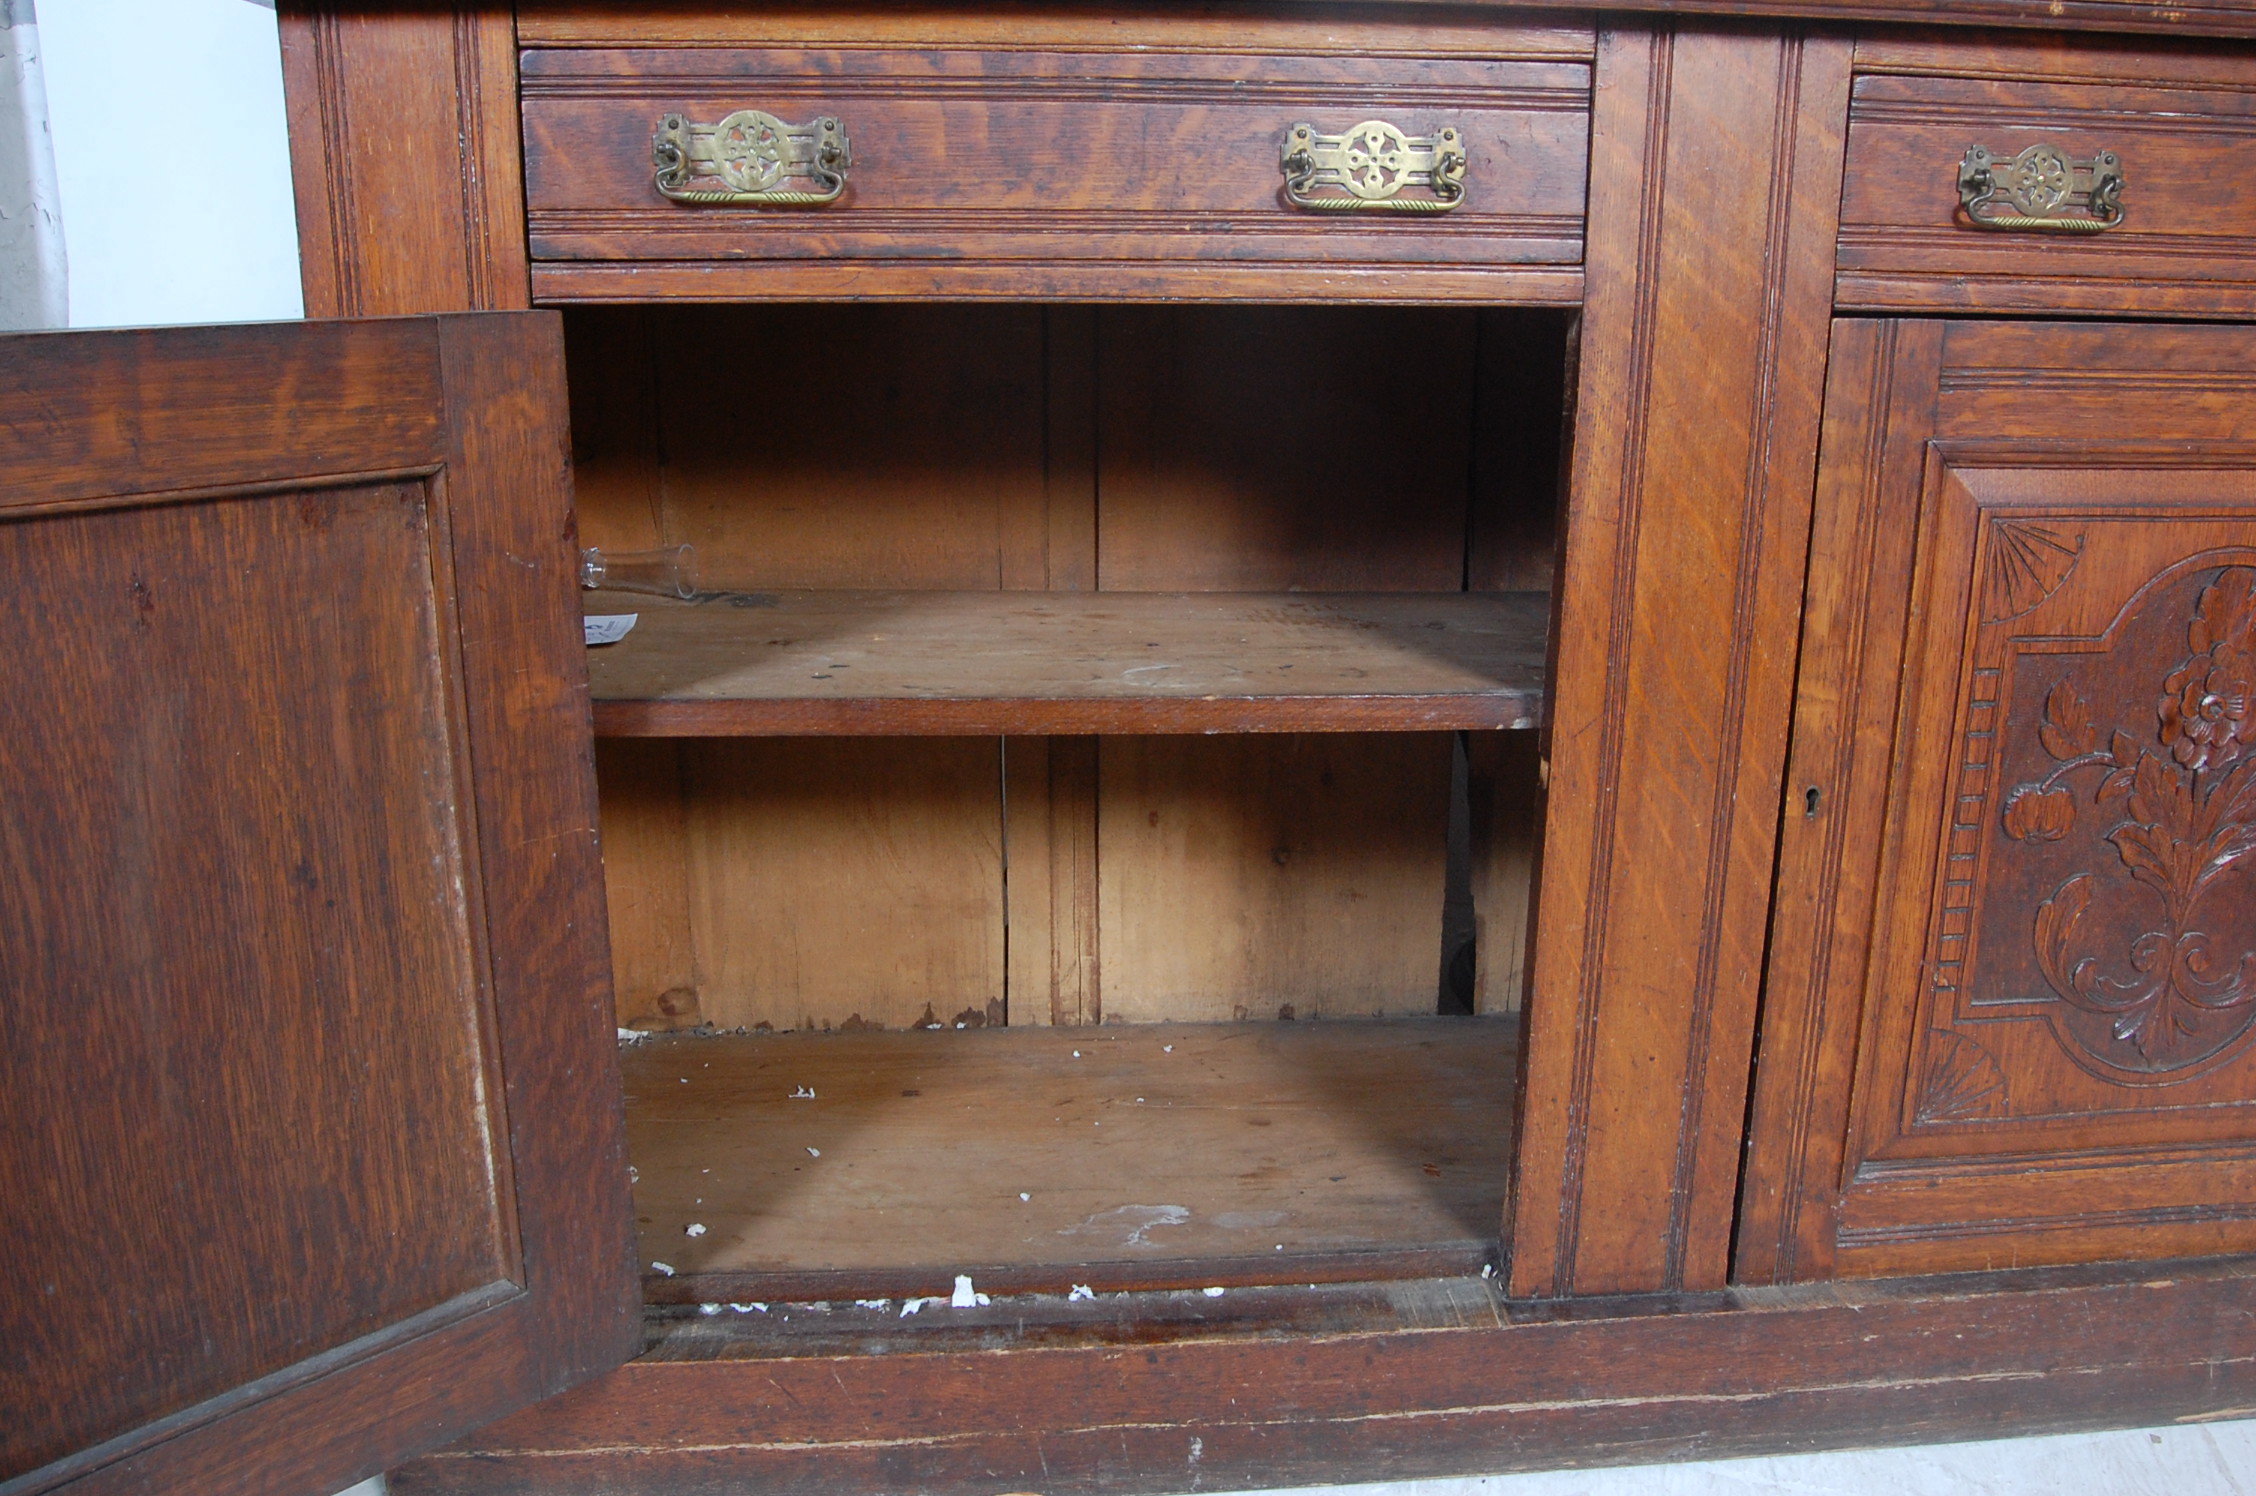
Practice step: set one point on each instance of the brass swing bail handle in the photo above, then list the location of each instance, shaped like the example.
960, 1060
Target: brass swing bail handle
1374, 168
2042, 190
750, 159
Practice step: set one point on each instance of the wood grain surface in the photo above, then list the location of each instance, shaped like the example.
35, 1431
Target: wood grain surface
1271, 877
405, 157
1702, 359
1050, 457
307, 1063
1149, 1153
1141, 151
2176, 118
835, 882
2011, 980
1592, 1384
1116, 662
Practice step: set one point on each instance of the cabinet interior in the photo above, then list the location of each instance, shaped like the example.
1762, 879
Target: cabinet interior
1230, 996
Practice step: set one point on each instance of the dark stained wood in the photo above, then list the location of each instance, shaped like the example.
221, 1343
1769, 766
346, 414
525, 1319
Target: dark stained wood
1150, 149
1150, 1155
585, 284
2176, 117
404, 155
307, 1032
1087, 662
1754, 1371
1022, 1321
1054, 24
1702, 351
2009, 1015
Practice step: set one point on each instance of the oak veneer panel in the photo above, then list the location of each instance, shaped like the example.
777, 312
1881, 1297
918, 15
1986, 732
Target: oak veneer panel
2176, 117
1131, 158
1702, 358
962, 662
182, 697
2009, 1016
836, 882
299, 1044
1152, 1154
404, 156
1271, 877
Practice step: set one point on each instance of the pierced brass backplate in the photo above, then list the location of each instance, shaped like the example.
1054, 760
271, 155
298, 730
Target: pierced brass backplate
1368, 168
751, 158
2043, 189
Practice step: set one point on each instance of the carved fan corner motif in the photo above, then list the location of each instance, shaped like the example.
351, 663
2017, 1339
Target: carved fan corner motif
2028, 563
1961, 1081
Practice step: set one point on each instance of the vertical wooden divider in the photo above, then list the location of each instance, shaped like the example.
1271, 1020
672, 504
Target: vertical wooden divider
1506, 809
1050, 784
386, 224
1709, 283
1050, 814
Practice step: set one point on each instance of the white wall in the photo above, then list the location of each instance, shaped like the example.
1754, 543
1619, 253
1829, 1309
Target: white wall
173, 160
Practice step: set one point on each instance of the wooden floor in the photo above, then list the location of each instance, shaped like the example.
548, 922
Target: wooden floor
1063, 662
1036, 1158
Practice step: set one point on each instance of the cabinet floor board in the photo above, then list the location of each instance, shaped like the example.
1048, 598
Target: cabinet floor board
761, 663
1131, 1156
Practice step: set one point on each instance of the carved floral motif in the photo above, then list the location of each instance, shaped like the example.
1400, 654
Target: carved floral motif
2189, 819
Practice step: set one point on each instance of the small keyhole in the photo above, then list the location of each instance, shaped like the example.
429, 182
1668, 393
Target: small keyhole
1809, 801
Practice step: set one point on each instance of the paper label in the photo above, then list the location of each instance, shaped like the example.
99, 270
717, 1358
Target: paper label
608, 628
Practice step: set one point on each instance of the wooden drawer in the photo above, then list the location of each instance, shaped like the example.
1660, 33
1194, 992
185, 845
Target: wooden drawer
1079, 161
2182, 124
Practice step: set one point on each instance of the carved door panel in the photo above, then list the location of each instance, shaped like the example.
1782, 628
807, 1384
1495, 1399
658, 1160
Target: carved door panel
311, 1146
2011, 997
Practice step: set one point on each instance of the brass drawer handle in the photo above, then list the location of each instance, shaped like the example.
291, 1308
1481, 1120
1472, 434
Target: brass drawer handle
1366, 169
756, 159
2046, 189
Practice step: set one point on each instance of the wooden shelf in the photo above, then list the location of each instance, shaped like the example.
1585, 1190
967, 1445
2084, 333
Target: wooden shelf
930, 663
1130, 1156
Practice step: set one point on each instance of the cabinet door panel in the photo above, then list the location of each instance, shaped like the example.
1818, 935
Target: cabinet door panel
312, 1146
2013, 984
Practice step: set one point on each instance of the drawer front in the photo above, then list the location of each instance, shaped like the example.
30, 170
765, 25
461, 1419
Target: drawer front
2186, 241
1095, 174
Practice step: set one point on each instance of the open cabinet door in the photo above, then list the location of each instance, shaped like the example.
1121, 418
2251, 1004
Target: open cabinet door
310, 1134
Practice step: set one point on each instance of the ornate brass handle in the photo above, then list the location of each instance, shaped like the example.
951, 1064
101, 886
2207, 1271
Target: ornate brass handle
1367, 168
2045, 190
756, 159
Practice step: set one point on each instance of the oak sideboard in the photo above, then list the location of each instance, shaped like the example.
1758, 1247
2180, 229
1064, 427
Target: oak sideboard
1358, 741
